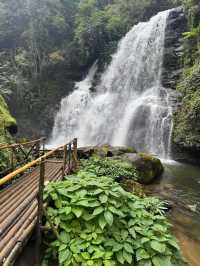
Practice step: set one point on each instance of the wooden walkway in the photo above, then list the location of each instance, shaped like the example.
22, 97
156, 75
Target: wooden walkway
19, 207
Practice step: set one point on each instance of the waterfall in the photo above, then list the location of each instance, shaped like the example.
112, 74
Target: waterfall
129, 106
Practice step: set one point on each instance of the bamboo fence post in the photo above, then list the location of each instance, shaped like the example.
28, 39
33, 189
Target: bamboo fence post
75, 157
43, 146
40, 211
69, 157
37, 150
12, 160
64, 159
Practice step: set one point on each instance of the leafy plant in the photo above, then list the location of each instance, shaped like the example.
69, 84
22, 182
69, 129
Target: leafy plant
95, 222
110, 168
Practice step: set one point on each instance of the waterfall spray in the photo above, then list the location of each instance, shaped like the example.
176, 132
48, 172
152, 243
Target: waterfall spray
130, 106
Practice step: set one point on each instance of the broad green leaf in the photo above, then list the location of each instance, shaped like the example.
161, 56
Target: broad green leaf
108, 255
98, 210
157, 246
64, 237
62, 247
116, 211
103, 198
108, 217
110, 243
57, 220
84, 203
81, 193
77, 211
145, 263
124, 234
159, 228
68, 262
61, 191
87, 216
94, 203
58, 203
98, 254
131, 222
85, 255
67, 210
73, 188
117, 247
142, 254
78, 257
174, 244
114, 194
98, 241
102, 221
144, 240
120, 257
132, 232
109, 263
127, 256
162, 261
90, 262
128, 248
97, 191
64, 255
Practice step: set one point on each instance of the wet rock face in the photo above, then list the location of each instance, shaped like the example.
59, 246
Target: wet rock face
176, 25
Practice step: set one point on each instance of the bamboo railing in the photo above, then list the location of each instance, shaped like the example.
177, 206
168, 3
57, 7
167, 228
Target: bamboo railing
21, 203
21, 153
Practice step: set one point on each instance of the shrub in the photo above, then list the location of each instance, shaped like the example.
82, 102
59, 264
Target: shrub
95, 222
110, 168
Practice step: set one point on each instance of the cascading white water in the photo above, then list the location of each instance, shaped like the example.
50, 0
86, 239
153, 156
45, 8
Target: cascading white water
130, 105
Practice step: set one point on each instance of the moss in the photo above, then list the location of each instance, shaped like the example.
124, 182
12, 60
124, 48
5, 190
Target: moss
5, 117
6, 123
187, 118
132, 186
149, 167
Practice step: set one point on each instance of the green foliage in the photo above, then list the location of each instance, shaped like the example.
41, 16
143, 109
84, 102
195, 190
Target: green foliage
187, 118
98, 23
194, 34
109, 167
6, 119
95, 222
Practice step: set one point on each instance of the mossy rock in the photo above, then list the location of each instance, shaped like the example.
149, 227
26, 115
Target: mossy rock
132, 186
186, 133
148, 166
6, 120
8, 126
103, 151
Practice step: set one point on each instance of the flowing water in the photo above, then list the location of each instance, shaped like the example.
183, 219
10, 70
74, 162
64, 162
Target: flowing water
130, 105
180, 185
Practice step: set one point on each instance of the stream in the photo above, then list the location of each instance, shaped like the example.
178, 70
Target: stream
180, 185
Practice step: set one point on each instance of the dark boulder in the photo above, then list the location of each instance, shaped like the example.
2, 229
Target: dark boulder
148, 166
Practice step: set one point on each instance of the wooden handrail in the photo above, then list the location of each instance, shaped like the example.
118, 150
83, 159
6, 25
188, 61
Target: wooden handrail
12, 175
6, 146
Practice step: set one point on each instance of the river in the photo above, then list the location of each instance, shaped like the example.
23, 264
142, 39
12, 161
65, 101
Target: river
180, 184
